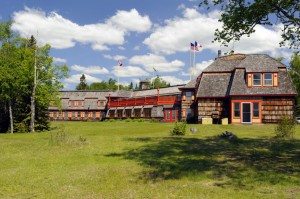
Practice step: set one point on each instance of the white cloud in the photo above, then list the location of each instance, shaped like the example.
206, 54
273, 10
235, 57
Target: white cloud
90, 69
177, 33
62, 33
129, 71
201, 66
160, 63
121, 48
174, 80
76, 79
136, 48
59, 60
115, 57
131, 21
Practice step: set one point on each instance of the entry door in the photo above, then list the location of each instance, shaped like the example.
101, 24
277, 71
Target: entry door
246, 112
170, 115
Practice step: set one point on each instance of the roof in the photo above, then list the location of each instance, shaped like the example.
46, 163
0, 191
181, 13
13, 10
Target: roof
79, 95
153, 92
251, 62
226, 76
191, 84
239, 86
214, 85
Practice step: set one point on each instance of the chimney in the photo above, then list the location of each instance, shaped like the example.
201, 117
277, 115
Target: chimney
219, 53
144, 84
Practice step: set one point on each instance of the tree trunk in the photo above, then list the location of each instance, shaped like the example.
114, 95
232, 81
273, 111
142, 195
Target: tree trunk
11, 121
32, 106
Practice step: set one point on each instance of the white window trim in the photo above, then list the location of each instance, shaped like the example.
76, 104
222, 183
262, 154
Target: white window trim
268, 79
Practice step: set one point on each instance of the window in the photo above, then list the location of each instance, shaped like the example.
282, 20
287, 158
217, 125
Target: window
255, 109
72, 103
188, 95
128, 112
79, 103
268, 81
73, 114
147, 112
189, 113
257, 79
237, 111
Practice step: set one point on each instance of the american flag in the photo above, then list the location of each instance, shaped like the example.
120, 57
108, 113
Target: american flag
120, 63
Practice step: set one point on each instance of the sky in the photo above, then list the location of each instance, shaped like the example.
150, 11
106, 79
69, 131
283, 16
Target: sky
91, 36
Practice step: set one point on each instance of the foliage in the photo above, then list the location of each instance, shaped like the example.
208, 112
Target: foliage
240, 18
82, 85
285, 128
111, 84
294, 71
158, 82
17, 58
179, 129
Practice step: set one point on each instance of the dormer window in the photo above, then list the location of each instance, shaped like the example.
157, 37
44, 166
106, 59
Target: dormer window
268, 80
256, 79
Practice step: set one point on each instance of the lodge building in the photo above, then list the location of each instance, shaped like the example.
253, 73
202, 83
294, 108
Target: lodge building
244, 89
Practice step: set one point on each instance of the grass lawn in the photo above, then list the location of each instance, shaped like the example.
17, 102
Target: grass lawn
141, 160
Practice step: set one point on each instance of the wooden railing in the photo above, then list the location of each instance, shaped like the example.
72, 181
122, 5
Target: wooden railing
161, 100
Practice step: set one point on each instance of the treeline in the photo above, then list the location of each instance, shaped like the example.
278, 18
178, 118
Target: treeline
112, 84
29, 82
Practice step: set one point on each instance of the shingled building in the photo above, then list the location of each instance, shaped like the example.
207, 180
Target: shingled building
245, 89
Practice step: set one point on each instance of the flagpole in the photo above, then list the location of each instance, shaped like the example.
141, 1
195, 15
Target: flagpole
190, 64
194, 67
118, 78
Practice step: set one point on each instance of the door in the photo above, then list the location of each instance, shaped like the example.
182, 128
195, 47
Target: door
170, 115
246, 112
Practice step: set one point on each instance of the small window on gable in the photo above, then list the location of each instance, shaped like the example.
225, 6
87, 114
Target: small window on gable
256, 79
268, 81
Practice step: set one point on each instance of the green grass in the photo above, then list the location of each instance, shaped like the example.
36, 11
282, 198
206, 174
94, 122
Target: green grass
141, 160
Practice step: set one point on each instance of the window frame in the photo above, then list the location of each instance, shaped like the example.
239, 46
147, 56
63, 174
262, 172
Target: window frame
253, 79
234, 109
255, 111
268, 79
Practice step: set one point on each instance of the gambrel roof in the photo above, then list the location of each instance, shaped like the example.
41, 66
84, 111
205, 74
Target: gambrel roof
226, 76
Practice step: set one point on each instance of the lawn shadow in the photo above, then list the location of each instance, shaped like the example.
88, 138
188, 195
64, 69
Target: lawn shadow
238, 162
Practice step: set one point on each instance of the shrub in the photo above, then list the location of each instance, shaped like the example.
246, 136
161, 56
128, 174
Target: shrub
285, 128
128, 120
179, 129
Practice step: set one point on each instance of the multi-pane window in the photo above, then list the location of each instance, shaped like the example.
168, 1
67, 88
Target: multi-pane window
256, 79
255, 109
147, 112
268, 81
237, 111
128, 112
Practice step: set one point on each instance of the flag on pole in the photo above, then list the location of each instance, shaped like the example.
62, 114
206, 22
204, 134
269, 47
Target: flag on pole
196, 46
154, 69
120, 63
192, 46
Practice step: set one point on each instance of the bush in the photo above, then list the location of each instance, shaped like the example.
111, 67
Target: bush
128, 120
285, 128
179, 129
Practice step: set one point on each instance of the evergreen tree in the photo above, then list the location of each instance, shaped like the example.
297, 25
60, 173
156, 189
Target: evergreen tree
82, 85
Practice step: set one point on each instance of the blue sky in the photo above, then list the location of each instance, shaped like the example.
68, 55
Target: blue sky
91, 36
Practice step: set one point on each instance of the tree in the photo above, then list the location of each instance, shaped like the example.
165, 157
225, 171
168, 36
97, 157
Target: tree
294, 71
82, 85
98, 86
158, 82
29, 82
130, 85
240, 18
